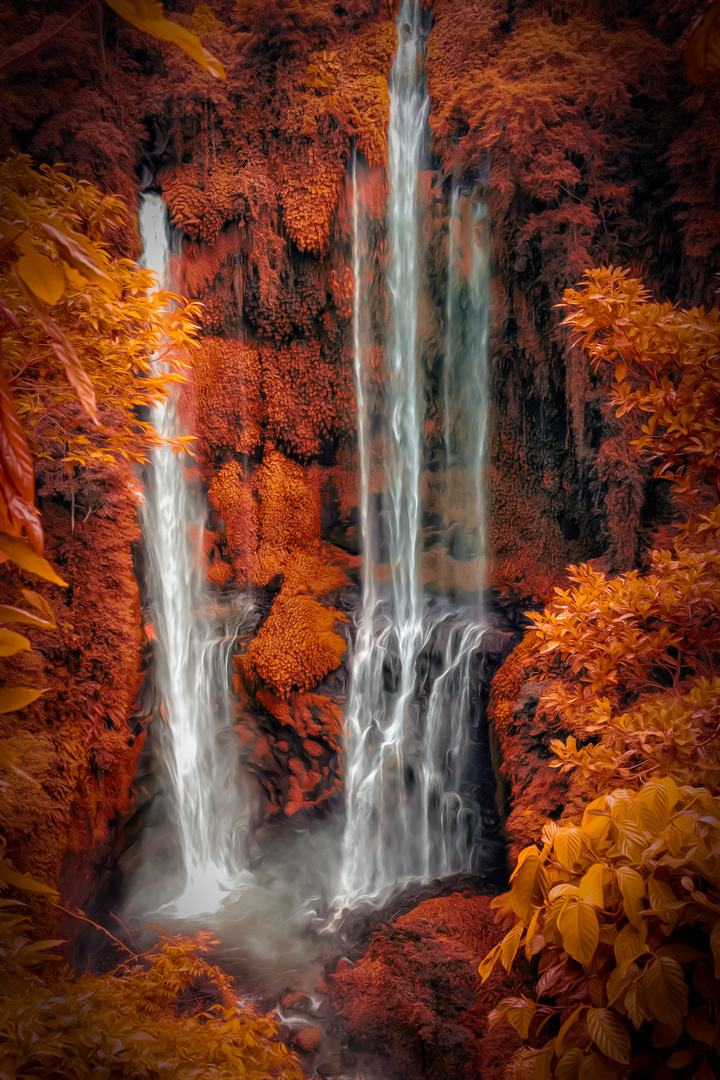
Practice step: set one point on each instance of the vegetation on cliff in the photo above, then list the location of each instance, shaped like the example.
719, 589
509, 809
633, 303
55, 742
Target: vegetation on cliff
623, 902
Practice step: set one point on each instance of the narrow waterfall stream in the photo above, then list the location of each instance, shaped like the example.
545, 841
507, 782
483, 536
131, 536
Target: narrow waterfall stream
408, 815
194, 636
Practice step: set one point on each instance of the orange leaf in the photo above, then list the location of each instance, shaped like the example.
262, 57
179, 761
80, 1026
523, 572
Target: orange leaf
76, 374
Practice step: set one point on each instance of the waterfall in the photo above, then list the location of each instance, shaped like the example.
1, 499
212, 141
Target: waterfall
194, 633
411, 704
465, 370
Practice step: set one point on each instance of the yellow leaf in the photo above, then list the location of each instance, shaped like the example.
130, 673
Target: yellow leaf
591, 886
571, 1021
619, 981
636, 1005
17, 697
11, 643
666, 991
609, 1034
632, 840
63, 349
542, 1066
80, 254
651, 808
529, 886
44, 279
20, 552
629, 944
486, 966
8, 232
632, 887
580, 930
520, 1014
152, 20
596, 822
533, 941
663, 901
23, 881
595, 1067
27, 618
568, 1066
567, 846
510, 945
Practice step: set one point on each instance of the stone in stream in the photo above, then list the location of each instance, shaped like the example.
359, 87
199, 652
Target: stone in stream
307, 1039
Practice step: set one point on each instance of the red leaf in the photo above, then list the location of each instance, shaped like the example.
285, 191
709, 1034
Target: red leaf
17, 472
9, 316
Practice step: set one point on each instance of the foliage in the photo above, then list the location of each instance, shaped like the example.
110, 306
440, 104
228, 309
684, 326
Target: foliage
553, 108
626, 909
78, 345
65, 298
145, 15
296, 645
668, 367
149, 16
625, 904
164, 1013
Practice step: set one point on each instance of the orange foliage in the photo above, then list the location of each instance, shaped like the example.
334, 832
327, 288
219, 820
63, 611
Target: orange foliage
353, 80
203, 200
290, 504
308, 398
228, 405
296, 646
525, 725
553, 110
309, 191
76, 741
219, 572
233, 498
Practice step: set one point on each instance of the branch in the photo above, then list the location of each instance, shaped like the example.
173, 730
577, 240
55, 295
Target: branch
38, 40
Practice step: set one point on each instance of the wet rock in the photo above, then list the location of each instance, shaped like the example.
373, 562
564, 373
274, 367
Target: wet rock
391, 673
307, 1039
297, 1001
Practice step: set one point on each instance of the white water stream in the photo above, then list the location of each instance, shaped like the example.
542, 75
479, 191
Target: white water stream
194, 636
411, 705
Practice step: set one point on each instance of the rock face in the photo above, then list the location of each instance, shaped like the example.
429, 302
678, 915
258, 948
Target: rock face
522, 727
414, 999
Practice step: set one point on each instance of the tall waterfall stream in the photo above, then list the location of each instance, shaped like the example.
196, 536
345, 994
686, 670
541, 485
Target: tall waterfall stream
409, 817
194, 641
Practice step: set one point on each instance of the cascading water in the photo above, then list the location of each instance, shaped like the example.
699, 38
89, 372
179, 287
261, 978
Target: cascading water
408, 815
465, 374
194, 637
